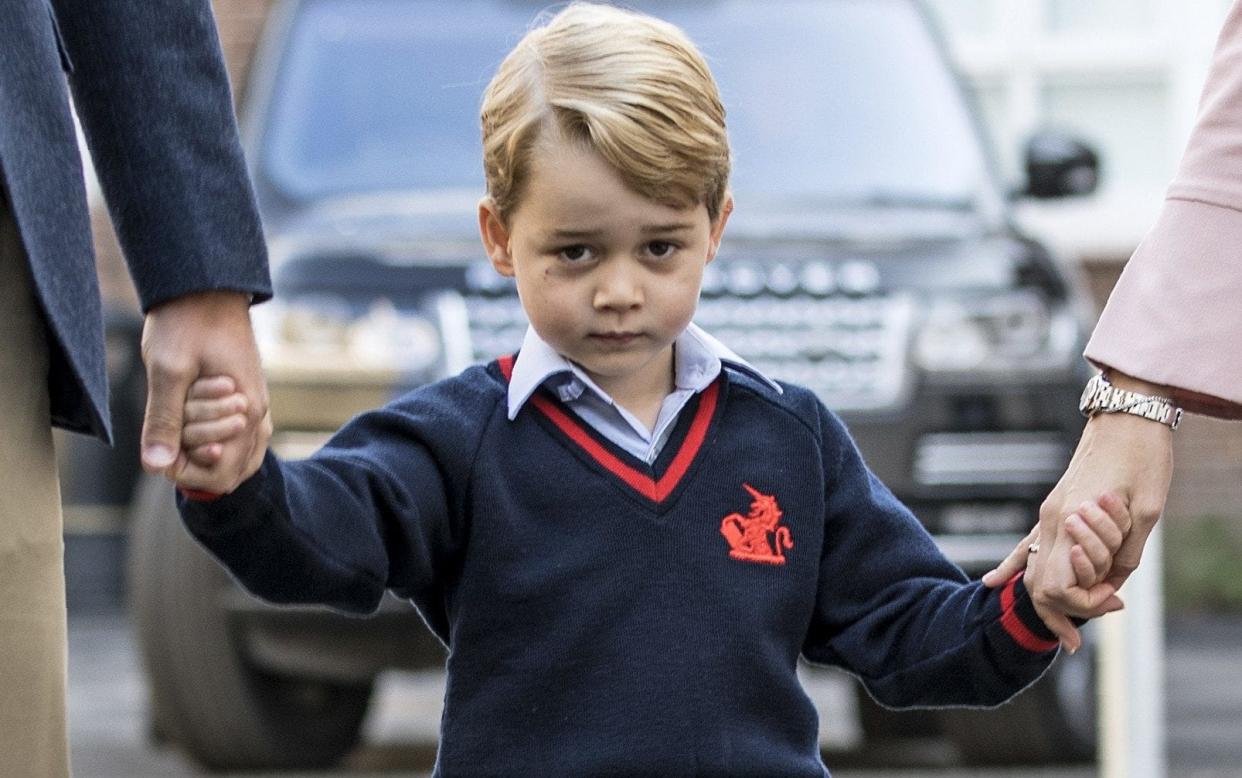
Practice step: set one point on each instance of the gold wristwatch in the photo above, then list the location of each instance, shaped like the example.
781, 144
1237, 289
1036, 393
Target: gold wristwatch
1100, 396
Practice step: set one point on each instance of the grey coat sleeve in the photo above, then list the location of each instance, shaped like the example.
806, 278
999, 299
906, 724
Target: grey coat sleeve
153, 96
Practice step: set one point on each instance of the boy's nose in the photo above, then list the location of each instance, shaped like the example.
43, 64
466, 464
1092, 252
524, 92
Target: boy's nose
617, 289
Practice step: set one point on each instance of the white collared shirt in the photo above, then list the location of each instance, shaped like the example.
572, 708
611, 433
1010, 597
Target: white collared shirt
697, 361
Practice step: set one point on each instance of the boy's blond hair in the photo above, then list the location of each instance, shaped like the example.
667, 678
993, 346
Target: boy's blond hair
633, 88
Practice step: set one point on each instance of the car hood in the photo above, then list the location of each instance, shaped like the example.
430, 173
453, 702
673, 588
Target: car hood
404, 228
913, 247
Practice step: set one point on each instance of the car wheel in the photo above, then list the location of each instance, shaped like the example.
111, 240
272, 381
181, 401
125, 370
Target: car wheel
205, 695
1052, 722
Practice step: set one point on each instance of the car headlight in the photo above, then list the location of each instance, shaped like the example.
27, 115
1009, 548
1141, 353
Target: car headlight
1011, 331
322, 335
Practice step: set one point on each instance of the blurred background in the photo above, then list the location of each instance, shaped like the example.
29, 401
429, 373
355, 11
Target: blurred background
1127, 76
170, 665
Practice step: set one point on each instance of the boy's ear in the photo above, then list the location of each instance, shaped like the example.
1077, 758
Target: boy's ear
495, 237
717, 228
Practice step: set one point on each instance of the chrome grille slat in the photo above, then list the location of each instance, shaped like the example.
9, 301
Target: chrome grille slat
970, 458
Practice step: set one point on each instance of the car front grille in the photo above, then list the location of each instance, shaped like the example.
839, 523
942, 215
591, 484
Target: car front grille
848, 350
1005, 458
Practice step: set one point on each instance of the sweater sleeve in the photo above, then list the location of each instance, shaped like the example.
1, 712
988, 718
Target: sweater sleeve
372, 510
894, 611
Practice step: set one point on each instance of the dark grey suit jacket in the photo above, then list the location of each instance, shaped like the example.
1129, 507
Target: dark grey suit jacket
153, 98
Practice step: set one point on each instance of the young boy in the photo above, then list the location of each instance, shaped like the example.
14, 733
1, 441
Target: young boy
625, 535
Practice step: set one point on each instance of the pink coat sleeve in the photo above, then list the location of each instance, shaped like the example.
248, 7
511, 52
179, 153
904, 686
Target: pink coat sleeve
1175, 316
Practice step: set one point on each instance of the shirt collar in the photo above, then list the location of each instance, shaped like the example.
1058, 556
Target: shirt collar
699, 357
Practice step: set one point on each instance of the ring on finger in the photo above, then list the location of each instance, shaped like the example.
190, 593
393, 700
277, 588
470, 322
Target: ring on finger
1033, 548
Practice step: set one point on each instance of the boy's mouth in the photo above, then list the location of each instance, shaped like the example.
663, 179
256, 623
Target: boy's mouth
618, 338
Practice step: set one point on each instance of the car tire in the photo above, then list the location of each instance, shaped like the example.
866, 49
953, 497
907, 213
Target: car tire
224, 712
1052, 722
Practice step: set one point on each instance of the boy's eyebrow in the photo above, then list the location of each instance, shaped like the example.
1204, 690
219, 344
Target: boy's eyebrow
576, 234
671, 227
647, 229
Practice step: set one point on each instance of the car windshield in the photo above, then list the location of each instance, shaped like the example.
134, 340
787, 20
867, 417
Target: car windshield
830, 103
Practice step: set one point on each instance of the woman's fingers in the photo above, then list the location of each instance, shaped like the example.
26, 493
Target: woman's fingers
1012, 564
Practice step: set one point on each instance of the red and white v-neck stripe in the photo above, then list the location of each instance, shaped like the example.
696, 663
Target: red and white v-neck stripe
645, 482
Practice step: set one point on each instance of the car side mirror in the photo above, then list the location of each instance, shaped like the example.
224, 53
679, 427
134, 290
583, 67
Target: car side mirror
1059, 165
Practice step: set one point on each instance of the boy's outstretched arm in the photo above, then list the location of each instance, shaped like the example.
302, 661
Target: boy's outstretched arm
367, 513
898, 614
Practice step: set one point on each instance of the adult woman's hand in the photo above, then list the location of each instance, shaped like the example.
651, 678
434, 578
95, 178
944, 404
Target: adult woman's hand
1121, 458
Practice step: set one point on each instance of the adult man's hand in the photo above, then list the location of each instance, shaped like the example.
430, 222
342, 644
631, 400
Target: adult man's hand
201, 334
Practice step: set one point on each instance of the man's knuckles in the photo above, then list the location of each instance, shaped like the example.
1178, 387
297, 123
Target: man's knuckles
170, 364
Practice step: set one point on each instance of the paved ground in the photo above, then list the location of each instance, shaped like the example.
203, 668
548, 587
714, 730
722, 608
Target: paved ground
1205, 698
108, 716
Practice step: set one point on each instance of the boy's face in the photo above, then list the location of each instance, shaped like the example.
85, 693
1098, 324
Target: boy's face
606, 276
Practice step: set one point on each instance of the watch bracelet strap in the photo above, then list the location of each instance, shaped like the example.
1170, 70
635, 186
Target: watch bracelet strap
1159, 409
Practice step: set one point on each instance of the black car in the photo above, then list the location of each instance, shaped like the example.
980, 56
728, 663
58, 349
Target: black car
872, 257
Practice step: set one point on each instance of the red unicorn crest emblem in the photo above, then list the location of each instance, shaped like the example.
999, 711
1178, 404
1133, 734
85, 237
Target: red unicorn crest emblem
748, 535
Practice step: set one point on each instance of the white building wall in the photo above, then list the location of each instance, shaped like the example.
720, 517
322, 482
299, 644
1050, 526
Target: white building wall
1124, 75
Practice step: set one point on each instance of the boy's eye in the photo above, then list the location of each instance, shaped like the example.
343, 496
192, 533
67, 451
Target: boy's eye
660, 248
575, 253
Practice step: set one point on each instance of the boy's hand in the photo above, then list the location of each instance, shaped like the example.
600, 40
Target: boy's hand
1073, 569
1097, 535
214, 413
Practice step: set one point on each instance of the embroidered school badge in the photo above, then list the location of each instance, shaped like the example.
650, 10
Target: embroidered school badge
748, 535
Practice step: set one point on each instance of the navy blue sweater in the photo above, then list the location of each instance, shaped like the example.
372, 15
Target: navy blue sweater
606, 617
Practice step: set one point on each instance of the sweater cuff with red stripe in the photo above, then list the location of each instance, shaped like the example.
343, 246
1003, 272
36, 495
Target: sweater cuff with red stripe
1020, 621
